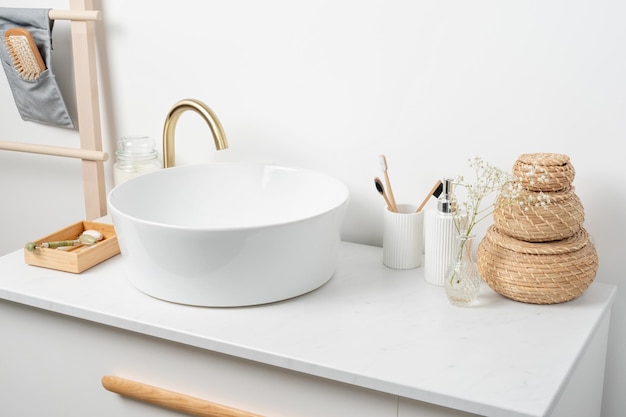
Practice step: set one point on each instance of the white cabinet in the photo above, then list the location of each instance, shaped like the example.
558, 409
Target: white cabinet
408, 408
52, 365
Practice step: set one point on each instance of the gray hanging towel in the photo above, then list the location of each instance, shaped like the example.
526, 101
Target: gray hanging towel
38, 100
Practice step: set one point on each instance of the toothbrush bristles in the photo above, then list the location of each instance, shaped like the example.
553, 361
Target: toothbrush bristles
392, 199
439, 190
434, 192
381, 190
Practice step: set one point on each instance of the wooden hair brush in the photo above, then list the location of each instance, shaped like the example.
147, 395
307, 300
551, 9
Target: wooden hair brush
25, 55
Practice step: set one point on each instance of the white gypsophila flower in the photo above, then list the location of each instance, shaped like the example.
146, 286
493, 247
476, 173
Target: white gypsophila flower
492, 180
536, 174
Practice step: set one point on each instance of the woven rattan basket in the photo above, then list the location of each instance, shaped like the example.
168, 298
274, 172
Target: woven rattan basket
537, 273
562, 218
555, 169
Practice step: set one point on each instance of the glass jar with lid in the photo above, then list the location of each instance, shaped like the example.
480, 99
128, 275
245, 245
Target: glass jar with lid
136, 155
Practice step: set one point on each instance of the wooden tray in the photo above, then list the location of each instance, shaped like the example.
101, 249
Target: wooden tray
79, 258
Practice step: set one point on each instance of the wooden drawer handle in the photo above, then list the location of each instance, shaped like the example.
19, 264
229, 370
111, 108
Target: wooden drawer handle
169, 399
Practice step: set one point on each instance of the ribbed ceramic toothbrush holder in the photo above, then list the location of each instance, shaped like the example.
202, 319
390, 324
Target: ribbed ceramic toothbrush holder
403, 237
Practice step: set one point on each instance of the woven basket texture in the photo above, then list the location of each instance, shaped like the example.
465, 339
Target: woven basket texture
560, 219
557, 169
537, 273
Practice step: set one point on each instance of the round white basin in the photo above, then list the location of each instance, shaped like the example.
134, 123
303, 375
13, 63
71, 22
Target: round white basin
226, 235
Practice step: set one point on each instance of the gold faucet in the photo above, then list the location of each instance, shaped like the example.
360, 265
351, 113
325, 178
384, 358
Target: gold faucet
170, 125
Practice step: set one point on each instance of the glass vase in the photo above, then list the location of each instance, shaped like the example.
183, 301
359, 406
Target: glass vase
462, 282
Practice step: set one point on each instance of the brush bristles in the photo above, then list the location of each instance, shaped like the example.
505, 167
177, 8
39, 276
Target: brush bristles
383, 162
26, 61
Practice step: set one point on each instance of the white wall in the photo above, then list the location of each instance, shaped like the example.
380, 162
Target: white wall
331, 84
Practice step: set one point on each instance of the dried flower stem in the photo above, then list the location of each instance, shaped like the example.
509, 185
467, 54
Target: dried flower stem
489, 180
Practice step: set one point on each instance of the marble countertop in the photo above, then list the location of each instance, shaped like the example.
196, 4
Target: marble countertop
369, 326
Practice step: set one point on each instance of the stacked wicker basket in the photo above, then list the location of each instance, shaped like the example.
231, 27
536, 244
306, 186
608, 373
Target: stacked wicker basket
540, 254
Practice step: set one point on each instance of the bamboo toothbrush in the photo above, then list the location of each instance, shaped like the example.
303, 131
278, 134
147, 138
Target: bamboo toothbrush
26, 58
434, 192
384, 167
381, 190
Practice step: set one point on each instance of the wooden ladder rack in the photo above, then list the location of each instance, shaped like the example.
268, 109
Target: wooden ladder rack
82, 17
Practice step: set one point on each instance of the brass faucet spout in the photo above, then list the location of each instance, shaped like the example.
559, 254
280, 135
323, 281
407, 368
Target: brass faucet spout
169, 159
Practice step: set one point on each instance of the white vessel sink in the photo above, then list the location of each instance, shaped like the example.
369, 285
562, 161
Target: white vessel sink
226, 235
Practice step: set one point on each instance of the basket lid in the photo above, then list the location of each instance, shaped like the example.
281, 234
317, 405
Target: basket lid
544, 159
571, 244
